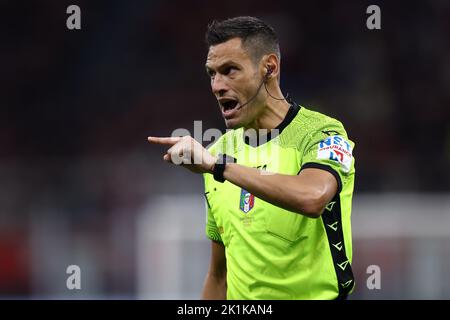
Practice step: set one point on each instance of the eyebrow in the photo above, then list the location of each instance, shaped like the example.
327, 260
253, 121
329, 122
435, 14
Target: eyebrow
224, 64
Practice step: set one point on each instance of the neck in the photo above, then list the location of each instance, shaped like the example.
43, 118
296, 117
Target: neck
273, 112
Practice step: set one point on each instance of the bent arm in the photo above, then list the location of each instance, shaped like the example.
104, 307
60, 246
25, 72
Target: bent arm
215, 287
306, 193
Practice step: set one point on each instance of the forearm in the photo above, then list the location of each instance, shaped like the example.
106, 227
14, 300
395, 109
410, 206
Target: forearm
285, 191
215, 288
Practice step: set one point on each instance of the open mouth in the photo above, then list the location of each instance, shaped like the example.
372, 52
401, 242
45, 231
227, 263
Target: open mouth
228, 104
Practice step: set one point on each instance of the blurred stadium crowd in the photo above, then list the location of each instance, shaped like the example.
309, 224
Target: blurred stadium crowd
76, 108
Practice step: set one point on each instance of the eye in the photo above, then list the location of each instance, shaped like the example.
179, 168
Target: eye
211, 73
229, 70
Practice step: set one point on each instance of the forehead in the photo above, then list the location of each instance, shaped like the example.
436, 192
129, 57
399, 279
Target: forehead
230, 50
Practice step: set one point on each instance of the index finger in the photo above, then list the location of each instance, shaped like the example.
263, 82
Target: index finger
164, 140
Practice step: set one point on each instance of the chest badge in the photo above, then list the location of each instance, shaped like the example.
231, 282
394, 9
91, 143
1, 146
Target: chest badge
247, 201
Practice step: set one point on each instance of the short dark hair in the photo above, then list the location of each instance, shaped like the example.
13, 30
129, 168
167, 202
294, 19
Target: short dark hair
258, 38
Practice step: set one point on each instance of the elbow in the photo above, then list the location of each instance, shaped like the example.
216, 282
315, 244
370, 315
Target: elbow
314, 204
217, 280
313, 212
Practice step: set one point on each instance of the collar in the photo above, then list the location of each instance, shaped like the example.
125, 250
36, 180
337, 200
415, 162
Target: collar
260, 139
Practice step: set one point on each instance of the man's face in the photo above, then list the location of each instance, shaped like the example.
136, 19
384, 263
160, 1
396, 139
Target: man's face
234, 81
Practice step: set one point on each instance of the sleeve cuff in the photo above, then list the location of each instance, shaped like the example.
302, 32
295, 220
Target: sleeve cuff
326, 168
213, 234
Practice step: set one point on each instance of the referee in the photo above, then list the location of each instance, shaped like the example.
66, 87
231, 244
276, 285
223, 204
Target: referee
278, 184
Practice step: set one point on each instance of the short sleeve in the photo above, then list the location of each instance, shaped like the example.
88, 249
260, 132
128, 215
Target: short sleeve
332, 151
211, 230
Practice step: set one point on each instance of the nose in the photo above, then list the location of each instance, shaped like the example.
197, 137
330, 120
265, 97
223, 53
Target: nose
219, 86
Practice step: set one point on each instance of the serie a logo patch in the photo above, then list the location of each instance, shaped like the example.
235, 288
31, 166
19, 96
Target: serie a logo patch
247, 201
336, 148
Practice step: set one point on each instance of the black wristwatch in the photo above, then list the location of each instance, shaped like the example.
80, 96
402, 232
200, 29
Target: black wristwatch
219, 167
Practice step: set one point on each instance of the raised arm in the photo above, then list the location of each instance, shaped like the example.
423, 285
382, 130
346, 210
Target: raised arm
307, 193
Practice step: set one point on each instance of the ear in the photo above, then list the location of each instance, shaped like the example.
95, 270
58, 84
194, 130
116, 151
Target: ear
270, 67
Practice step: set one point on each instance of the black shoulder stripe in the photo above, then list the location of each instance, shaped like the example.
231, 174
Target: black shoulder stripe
332, 222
